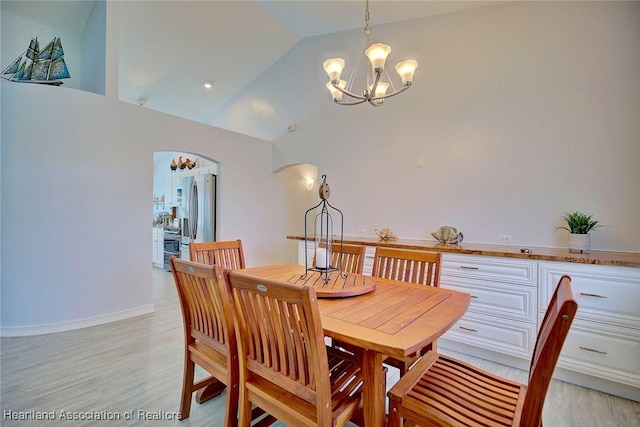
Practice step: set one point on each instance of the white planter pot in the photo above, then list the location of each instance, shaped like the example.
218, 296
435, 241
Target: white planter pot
579, 242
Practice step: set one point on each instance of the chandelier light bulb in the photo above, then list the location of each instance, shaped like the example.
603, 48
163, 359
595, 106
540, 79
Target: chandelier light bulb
336, 94
333, 67
377, 54
381, 89
207, 84
406, 69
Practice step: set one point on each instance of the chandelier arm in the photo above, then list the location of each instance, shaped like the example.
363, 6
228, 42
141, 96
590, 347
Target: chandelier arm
391, 94
346, 92
351, 103
374, 86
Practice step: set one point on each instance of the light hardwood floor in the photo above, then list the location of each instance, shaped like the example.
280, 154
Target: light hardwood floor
133, 368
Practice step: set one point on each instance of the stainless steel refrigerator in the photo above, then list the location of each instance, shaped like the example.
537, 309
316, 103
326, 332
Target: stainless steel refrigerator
198, 211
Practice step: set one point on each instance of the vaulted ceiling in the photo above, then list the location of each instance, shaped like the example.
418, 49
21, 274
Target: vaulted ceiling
169, 48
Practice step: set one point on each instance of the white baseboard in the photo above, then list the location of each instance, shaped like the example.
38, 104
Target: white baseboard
28, 330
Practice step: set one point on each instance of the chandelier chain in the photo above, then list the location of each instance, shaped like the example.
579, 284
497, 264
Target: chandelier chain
367, 27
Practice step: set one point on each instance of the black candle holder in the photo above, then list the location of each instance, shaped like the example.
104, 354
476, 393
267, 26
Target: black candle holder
323, 235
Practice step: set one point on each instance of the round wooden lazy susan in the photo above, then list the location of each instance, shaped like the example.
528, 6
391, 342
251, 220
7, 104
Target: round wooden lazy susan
337, 286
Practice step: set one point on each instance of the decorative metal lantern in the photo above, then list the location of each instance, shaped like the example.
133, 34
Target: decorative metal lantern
323, 226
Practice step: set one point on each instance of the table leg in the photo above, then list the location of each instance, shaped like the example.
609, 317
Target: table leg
373, 389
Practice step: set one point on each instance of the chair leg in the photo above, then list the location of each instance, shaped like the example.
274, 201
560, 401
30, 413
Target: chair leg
244, 411
231, 406
187, 388
394, 419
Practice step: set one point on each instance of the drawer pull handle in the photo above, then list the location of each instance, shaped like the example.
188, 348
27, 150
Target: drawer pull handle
465, 267
592, 350
592, 295
474, 296
468, 329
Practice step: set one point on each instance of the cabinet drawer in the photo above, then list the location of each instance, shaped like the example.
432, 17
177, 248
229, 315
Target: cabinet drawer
509, 337
497, 299
604, 351
490, 268
604, 294
370, 254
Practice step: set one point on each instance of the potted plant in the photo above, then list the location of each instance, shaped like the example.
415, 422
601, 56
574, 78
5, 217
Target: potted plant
579, 225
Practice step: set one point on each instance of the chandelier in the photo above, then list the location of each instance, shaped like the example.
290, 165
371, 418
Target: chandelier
376, 88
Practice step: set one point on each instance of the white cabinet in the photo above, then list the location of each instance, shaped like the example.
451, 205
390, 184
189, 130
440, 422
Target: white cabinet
173, 192
604, 340
158, 247
311, 247
502, 316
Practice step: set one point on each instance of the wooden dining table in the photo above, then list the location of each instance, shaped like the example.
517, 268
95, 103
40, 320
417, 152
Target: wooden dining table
392, 319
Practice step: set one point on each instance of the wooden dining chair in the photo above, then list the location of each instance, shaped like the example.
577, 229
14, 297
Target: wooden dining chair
209, 332
285, 367
408, 266
440, 390
352, 257
227, 254
418, 267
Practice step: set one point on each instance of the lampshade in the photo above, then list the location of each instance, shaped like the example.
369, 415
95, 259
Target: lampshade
333, 67
381, 89
336, 94
377, 54
406, 69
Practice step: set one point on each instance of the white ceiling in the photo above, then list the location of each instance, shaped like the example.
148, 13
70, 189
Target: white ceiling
168, 48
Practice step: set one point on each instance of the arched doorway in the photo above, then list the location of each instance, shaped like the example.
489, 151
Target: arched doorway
178, 220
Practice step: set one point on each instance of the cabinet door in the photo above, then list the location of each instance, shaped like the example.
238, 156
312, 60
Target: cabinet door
168, 190
177, 190
509, 301
158, 247
155, 246
603, 351
501, 335
513, 271
603, 293
310, 250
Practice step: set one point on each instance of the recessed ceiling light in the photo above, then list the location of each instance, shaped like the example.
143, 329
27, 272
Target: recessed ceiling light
207, 84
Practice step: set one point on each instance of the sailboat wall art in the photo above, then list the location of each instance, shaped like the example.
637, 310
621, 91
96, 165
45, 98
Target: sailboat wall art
44, 66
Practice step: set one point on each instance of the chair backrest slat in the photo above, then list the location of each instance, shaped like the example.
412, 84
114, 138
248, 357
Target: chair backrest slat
408, 266
227, 254
351, 257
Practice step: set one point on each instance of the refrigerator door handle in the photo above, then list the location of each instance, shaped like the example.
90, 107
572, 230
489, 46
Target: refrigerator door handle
193, 210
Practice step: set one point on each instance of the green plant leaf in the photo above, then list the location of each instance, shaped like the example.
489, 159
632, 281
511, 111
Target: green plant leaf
579, 223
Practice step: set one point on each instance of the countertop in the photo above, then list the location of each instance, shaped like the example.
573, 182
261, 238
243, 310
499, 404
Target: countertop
620, 259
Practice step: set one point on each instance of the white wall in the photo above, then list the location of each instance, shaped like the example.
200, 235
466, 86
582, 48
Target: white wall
76, 201
523, 112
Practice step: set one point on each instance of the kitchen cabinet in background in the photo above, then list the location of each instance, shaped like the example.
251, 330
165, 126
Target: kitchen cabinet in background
158, 247
173, 194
